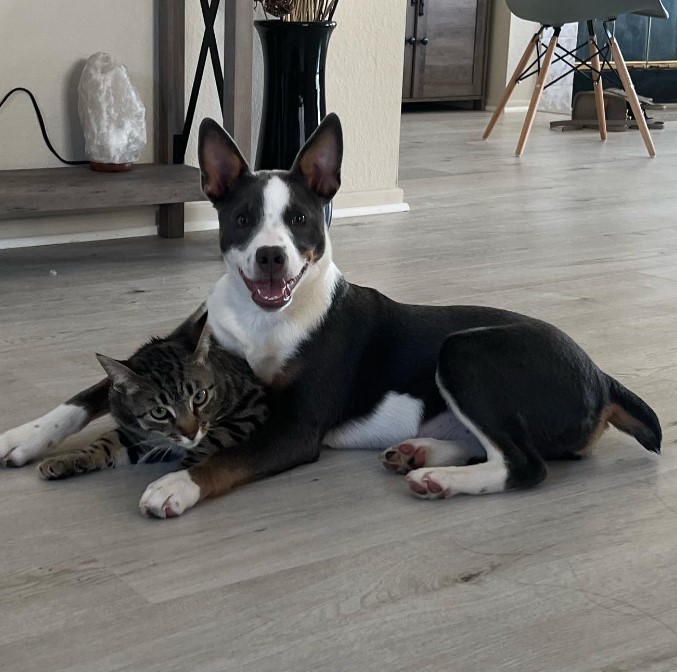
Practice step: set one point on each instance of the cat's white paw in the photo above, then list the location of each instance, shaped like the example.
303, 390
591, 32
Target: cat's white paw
170, 496
22, 444
19, 444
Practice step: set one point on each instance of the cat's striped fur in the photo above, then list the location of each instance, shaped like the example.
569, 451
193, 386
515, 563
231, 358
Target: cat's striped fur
177, 398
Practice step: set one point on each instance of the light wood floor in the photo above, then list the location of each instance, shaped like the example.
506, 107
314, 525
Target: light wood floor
334, 566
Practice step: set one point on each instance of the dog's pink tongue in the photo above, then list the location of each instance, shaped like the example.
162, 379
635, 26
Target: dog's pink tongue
271, 291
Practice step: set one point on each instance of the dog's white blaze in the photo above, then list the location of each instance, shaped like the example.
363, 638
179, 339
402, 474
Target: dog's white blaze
32, 439
276, 197
490, 476
395, 419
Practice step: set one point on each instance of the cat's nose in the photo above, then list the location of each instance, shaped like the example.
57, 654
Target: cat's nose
189, 429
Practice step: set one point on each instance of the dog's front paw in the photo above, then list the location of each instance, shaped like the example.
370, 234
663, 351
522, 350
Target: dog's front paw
170, 496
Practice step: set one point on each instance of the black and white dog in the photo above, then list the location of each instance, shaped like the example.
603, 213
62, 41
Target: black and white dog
348, 367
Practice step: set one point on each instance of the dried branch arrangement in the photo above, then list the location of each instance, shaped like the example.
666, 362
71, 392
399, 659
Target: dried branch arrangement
300, 10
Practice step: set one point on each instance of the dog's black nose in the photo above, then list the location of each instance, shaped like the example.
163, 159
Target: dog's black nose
271, 258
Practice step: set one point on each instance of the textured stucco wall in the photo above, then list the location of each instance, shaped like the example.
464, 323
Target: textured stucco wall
43, 46
364, 86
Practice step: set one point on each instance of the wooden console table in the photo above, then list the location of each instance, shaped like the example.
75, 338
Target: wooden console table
167, 185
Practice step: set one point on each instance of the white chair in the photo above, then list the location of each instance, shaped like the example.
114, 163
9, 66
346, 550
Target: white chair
554, 14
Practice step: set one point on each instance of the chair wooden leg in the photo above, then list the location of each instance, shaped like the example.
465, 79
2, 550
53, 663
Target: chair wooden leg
632, 96
521, 66
597, 84
538, 92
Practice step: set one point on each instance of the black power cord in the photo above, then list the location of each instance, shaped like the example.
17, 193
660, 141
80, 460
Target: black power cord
41, 121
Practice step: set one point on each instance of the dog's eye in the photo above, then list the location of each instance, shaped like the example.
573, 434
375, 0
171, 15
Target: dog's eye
159, 413
298, 219
242, 221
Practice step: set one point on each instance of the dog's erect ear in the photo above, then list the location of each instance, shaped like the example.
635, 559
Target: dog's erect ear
319, 161
120, 375
221, 163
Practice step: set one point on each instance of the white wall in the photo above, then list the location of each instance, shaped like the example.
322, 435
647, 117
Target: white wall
364, 86
508, 39
43, 46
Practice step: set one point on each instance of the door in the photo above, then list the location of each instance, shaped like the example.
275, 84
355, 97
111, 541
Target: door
450, 48
409, 48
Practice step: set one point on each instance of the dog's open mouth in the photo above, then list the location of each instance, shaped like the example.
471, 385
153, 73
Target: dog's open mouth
272, 293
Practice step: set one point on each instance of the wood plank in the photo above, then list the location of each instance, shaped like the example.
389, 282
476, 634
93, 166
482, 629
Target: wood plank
24, 193
170, 219
238, 43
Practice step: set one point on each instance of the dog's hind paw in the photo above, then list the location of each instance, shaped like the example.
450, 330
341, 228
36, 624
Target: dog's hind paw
404, 457
425, 483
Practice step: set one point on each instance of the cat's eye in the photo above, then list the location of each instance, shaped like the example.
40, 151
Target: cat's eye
298, 219
159, 413
242, 221
200, 397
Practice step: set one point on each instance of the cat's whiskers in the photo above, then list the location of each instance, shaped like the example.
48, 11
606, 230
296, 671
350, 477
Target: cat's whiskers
161, 448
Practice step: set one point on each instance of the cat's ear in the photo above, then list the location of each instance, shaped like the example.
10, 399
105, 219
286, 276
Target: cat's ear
190, 331
121, 376
203, 345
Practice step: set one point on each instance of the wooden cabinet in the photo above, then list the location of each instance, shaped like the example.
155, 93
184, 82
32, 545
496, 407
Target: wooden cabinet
445, 50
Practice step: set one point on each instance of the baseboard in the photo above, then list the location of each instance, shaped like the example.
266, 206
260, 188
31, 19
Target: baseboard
79, 237
368, 199
367, 210
514, 108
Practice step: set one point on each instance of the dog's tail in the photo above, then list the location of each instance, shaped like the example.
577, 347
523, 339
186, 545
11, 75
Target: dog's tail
634, 416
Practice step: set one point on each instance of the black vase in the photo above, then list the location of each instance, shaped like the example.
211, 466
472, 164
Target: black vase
294, 55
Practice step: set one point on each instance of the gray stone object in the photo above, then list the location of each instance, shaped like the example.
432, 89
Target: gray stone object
111, 111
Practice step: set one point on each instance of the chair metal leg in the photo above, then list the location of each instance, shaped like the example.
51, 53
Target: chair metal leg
597, 81
630, 92
538, 92
519, 70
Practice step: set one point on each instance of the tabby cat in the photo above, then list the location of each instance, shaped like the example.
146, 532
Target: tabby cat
180, 397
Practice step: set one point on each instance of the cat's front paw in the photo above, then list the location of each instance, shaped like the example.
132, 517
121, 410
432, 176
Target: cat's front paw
170, 496
20, 445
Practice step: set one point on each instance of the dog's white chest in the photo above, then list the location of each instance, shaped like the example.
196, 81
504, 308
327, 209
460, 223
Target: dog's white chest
267, 365
265, 340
